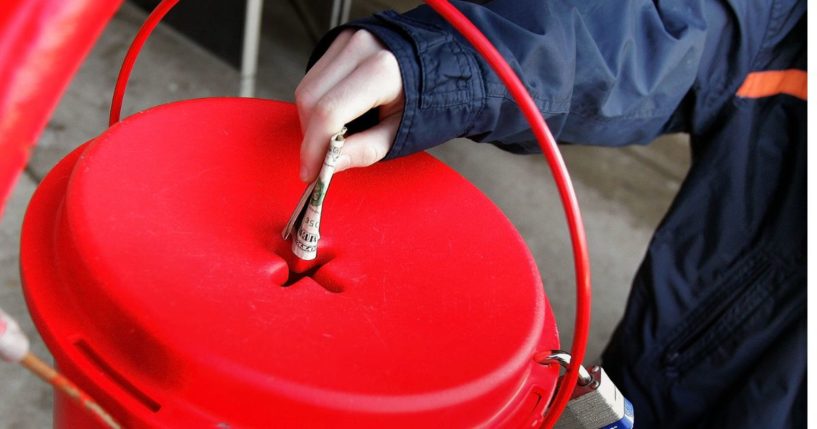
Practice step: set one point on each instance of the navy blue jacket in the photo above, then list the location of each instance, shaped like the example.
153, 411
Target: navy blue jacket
714, 332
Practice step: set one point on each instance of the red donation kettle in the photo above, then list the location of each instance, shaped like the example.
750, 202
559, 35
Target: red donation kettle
154, 268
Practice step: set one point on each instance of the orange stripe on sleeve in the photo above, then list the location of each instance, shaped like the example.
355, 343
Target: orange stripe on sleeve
767, 83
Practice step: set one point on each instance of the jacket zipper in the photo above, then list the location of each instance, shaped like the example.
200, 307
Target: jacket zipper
734, 299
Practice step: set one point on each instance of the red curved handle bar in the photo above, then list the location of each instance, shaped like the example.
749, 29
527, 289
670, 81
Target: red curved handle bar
563, 183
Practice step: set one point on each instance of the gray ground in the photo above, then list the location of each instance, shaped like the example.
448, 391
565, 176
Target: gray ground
623, 192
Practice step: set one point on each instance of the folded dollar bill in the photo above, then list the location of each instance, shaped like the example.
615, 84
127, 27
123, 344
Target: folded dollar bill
306, 218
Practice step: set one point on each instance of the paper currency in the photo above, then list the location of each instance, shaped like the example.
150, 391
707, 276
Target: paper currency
307, 215
298, 213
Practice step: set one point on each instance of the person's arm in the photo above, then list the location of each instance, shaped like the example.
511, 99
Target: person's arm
602, 72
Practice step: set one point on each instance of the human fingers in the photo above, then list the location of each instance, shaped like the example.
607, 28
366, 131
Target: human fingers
303, 94
346, 53
367, 147
375, 82
334, 49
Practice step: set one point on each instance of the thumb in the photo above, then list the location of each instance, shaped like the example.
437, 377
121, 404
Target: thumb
367, 147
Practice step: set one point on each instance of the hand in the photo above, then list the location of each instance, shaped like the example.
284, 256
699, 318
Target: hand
356, 74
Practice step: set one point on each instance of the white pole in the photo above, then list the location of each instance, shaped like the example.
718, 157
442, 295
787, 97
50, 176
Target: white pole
334, 19
344, 15
249, 55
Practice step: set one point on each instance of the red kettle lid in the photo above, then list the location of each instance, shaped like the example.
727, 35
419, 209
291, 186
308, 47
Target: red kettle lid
154, 253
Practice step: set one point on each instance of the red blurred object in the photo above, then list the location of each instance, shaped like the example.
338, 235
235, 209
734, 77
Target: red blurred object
42, 43
154, 268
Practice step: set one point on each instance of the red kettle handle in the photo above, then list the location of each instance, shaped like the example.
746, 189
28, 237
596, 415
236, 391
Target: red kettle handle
133, 52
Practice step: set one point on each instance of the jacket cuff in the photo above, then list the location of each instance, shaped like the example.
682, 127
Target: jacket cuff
439, 83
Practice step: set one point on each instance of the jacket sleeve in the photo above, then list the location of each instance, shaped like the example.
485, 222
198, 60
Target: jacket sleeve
602, 72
